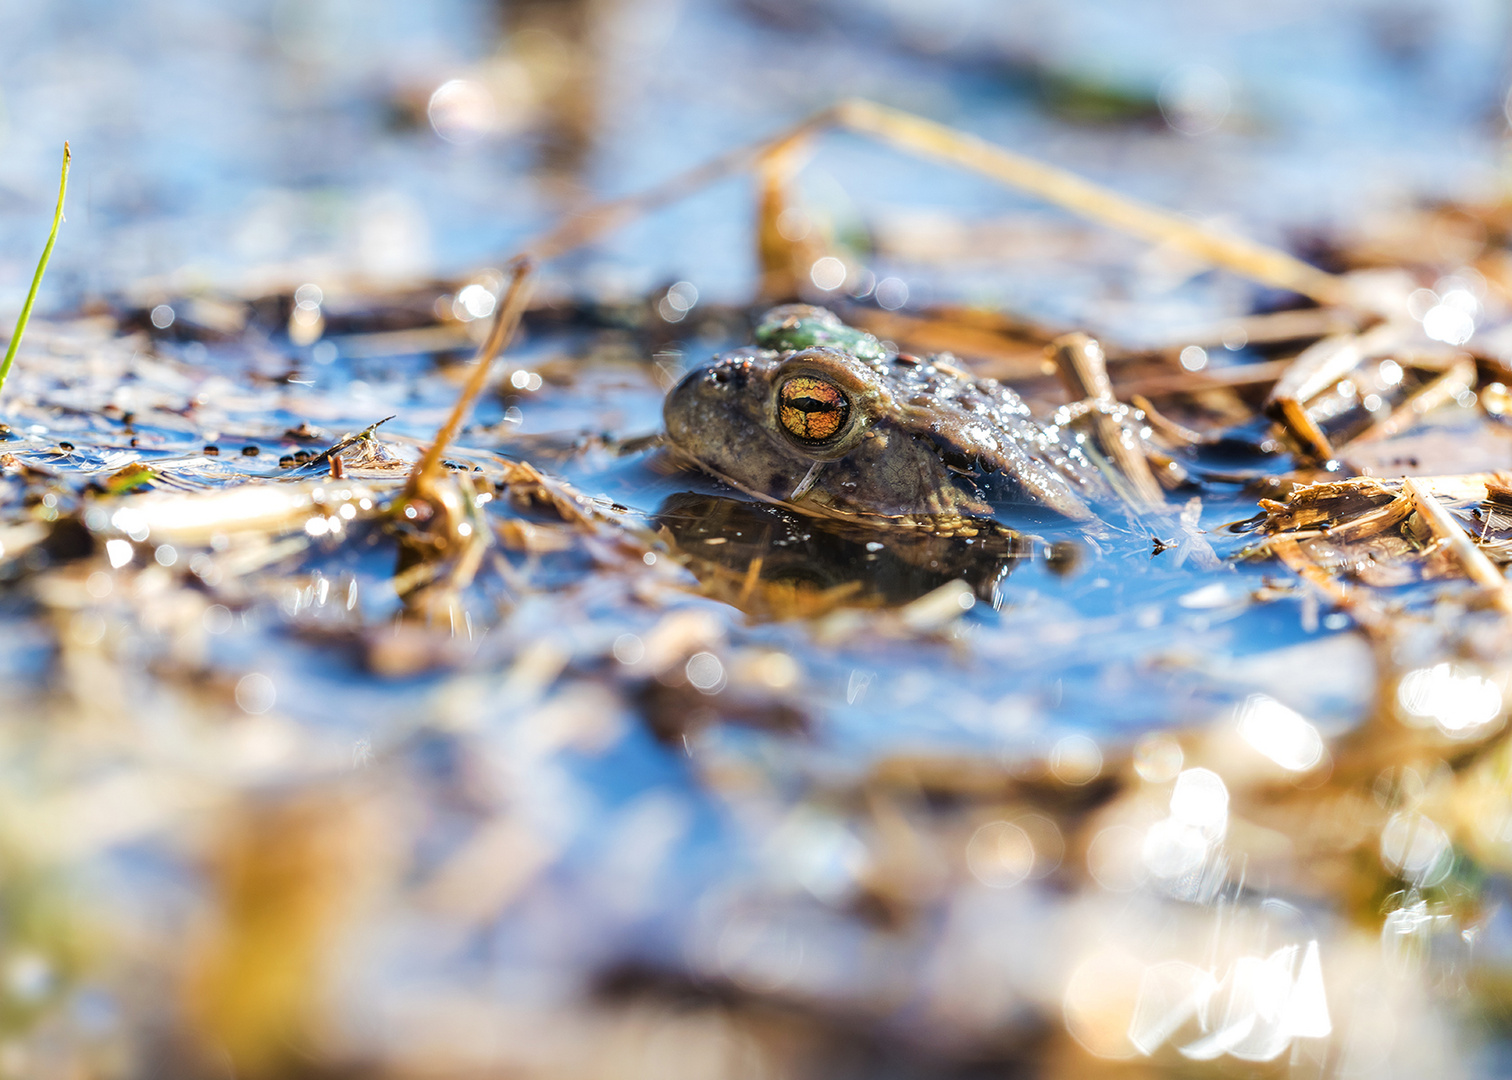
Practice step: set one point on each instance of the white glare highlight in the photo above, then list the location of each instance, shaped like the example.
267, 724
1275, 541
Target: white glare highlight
892, 293
217, 619
1157, 758
793, 224
1253, 1013
119, 553
1173, 849
1177, 848
162, 316
1460, 704
706, 673
828, 273
1113, 858
1200, 799
473, 302
132, 522
462, 111
1100, 1000
628, 649
255, 693
1194, 99
683, 295
1416, 848
1076, 760
1194, 358
1420, 302
1000, 855
1452, 319
1280, 733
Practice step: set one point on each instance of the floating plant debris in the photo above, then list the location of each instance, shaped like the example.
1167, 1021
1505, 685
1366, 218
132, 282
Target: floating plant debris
382, 698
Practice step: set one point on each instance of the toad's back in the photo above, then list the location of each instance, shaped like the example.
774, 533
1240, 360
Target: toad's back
821, 417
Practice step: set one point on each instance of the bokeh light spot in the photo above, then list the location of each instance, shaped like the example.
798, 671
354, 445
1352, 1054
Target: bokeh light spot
1000, 855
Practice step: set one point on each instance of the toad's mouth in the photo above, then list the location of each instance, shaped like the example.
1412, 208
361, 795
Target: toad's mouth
820, 504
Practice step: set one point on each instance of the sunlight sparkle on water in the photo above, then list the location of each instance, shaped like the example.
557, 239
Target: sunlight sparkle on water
131, 522
1000, 855
255, 693
1280, 733
680, 299
1201, 799
1459, 703
1416, 848
1076, 760
828, 273
473, 302
706, 672
1195, 99
1452, 319
462, 111
1157, 758
119, 552
892, 293
1177, 847
628, 649
1253, 1012
1114, 858
683, 295
1099, 1002
793, 224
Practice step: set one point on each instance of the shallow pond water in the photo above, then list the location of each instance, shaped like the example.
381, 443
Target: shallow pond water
623, 790
649, 779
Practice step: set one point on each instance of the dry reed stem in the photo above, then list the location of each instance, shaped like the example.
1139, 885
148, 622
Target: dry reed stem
1083, 370
927, 139
1371, 523
1472, 559
503, 328
1459, 376
1318, 367
784, 263
1195, 382
1273, 327
1164, 425
1354, 601
1312, 441
603, 218
921, 138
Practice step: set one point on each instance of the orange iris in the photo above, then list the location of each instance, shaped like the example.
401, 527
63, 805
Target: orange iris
812, 409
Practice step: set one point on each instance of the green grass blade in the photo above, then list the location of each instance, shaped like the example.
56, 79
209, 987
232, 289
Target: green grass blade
31, 297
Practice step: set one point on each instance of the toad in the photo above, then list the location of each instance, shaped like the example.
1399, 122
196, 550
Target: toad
826, 420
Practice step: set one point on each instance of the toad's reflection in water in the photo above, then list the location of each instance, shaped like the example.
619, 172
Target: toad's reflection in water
774, 564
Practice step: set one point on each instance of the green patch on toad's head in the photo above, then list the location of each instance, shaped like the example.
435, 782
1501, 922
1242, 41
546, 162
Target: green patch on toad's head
801, 326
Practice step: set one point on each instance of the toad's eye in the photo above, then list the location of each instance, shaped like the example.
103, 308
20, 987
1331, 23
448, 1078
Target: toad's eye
812, 410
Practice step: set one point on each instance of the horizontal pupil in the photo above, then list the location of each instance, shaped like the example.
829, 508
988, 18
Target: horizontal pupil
812, 405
